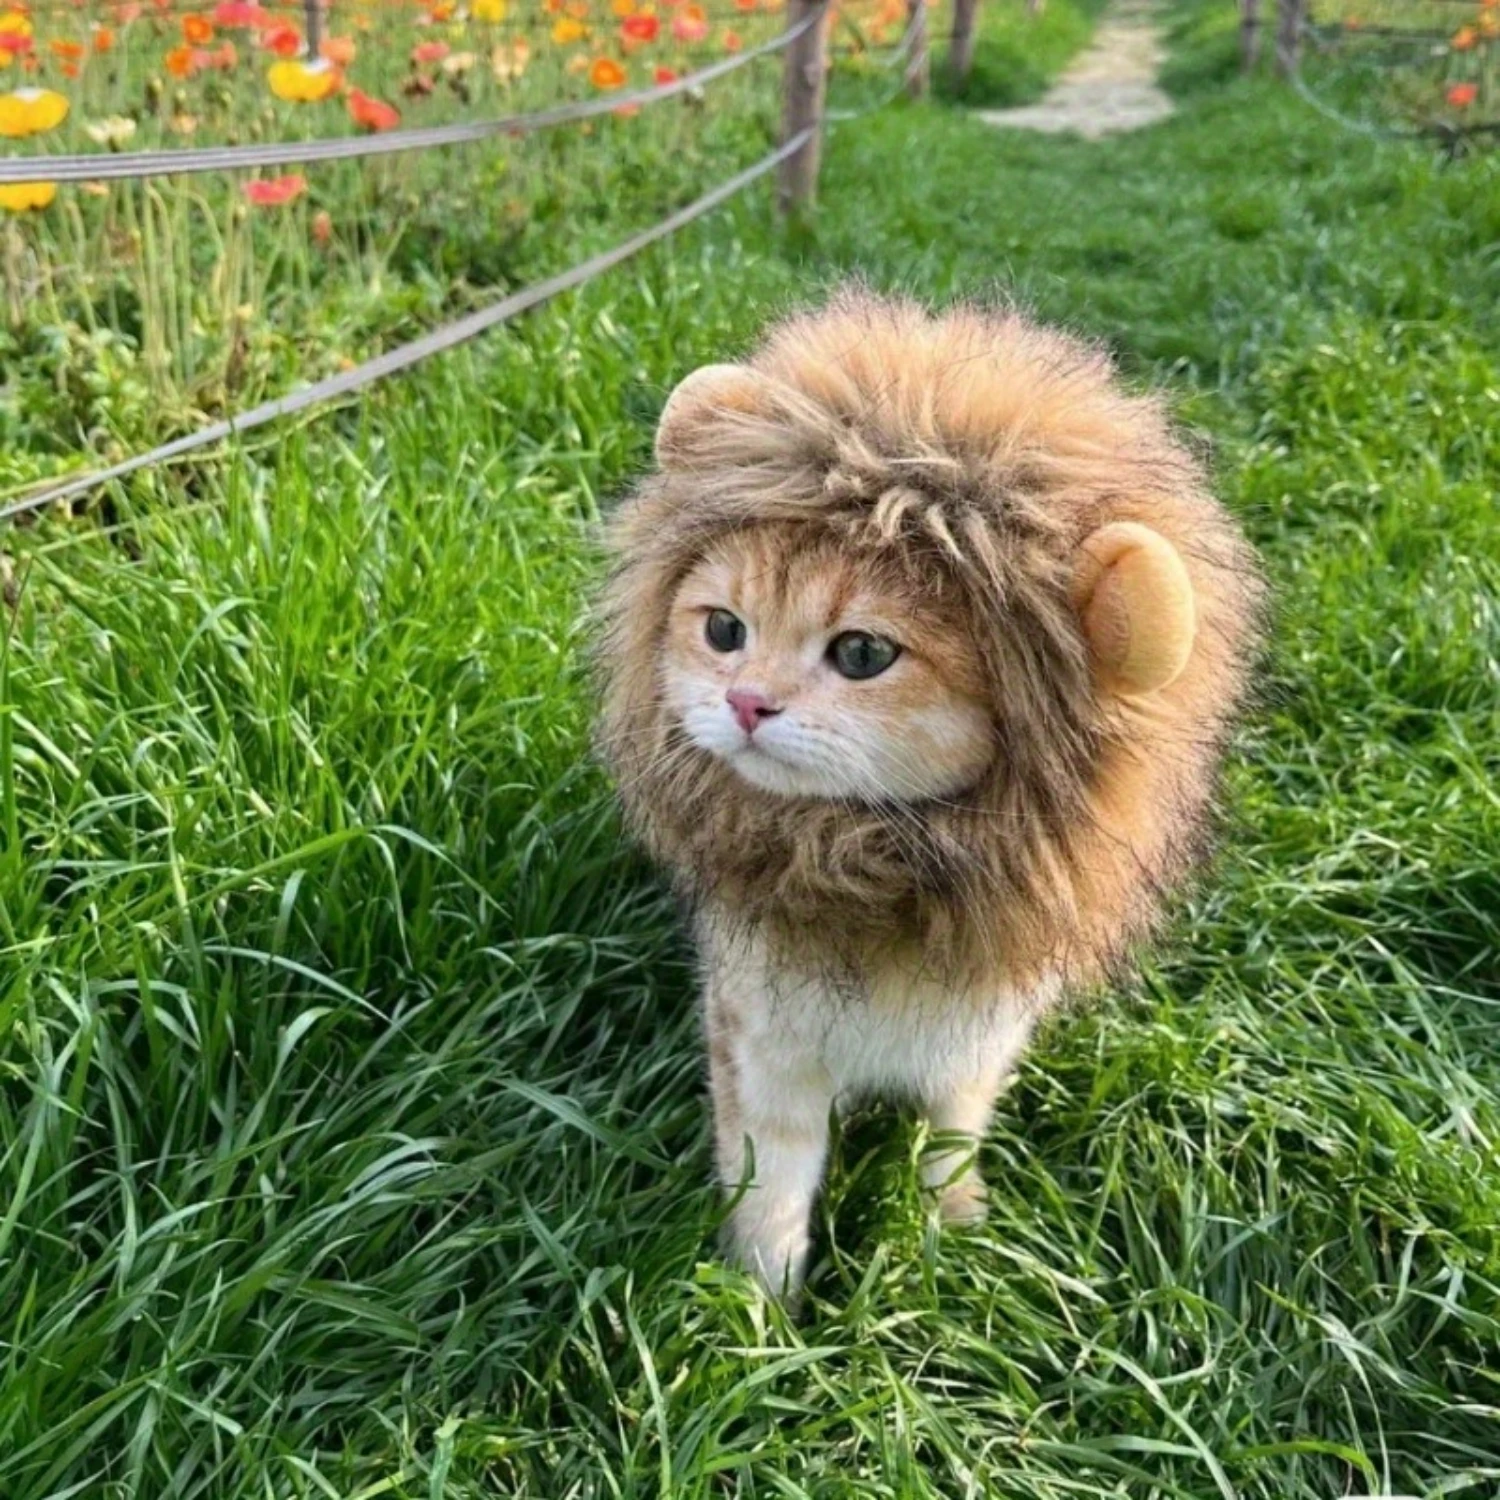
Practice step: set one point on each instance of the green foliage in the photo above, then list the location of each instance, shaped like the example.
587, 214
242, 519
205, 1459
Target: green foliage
1016, 54
351, 1134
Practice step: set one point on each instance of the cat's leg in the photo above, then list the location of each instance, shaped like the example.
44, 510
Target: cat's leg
771, 1109
961, 1106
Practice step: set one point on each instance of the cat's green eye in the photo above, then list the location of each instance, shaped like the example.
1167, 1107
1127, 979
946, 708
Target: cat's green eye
859, 655
725, 632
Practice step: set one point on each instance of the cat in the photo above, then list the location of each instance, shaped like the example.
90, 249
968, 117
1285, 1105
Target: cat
919, 655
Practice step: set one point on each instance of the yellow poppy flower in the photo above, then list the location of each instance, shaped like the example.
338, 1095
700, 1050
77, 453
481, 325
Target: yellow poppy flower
20, 196
30, 111
567, 31
303, 83
488, 10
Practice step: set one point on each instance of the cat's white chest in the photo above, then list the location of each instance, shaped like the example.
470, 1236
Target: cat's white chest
897, 1033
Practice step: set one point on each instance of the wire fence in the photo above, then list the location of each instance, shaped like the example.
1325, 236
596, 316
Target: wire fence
101, 166
803, 40
1388, 70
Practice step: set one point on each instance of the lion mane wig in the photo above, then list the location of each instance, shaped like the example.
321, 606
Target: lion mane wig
1113, 603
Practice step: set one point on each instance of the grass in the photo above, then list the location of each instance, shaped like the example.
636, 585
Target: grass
351, 1134
1017, 54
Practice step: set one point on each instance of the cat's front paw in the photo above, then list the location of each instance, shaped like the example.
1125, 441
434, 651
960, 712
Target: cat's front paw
964, 1203
777, 1261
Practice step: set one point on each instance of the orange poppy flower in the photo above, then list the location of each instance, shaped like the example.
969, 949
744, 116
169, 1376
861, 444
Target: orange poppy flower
338, 49
322, 227
578, 9
104, 38
271, 192
197, 31
606, 73
623, 8
690, 24
733, 41
1463, 39
372, 114
66, 51
429, 52
1462, 95
745, 4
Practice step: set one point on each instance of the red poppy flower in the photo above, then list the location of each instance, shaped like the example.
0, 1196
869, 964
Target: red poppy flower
1462, 95
282, 39
640, 28
372, 114
664, 74
270, 192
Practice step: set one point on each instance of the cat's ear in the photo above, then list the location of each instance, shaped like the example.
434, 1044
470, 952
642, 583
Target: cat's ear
1135, 599
697, 399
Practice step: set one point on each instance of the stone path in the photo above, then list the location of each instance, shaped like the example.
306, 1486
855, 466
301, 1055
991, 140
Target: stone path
1111, 86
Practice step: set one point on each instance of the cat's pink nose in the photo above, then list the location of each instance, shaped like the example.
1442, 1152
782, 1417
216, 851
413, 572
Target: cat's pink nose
750, 707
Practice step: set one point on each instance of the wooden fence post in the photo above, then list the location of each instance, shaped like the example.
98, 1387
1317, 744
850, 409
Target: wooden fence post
961, 48
1249, 35
314, 13
1290, 15
918, 64
806, 79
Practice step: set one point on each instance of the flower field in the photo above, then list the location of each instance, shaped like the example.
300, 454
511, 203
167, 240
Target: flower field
1432, 65
140, 309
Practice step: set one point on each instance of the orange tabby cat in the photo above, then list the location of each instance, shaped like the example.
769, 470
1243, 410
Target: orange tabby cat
920, 652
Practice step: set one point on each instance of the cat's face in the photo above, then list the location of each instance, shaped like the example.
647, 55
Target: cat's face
813, 676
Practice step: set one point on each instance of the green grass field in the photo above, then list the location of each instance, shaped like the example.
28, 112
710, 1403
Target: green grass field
352, 1140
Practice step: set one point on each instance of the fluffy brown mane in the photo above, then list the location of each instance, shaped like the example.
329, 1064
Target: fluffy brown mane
972, 451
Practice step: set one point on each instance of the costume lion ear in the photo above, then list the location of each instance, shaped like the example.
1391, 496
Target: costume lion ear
1133, 594
697, 399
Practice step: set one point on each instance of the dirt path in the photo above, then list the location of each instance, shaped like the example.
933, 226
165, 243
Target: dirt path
1111, 86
